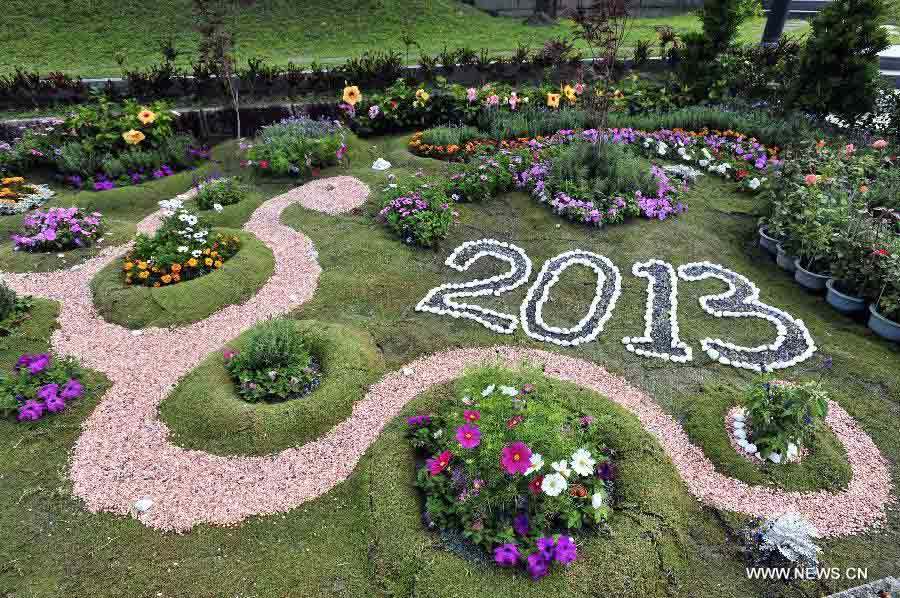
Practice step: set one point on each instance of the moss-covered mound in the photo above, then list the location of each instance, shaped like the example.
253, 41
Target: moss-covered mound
825, 467
649, 549
204, 412
186, 302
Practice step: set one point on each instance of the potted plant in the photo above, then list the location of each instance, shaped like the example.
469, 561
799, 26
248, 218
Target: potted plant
855, 265
884, 312
766, 241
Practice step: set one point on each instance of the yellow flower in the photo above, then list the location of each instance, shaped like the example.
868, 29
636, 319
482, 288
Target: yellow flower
553, 100
569, 92
218, 264
166, 279
128, 266
206, 251
133, 137
13, 180
146, 116
142, 265
352, 95
208, 261
144, 275
422, 96
7, 192
192, 262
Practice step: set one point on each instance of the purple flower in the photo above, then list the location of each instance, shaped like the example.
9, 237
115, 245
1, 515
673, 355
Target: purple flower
538, 565
418, 420
507, 555
31, 410
35, 363
48, 392
566, 552
521, 524
606, 471
73, 389
374, 111
55, 404
545, 546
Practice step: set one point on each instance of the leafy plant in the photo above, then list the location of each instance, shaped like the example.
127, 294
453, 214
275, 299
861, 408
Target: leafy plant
417, 211
512, 469
450, 135
222, 191
58, 229
275, 365
296, 145
786, 540
38, 385
782, 413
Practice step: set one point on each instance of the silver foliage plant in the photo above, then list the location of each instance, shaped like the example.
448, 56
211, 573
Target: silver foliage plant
786, 537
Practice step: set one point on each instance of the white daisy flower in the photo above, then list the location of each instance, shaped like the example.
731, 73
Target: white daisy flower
562, 468
583, 463
554, 484
537, 462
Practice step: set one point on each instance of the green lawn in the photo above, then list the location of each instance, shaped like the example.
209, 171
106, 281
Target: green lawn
81, 37
365, 537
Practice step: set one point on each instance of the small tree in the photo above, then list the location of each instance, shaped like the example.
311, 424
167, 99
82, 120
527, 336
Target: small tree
216, 21
839, 70
602, 28
722, 19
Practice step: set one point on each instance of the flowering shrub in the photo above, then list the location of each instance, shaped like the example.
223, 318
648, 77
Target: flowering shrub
786, 540
419, 212
58, 229
296, 146
512, 470
276, 365
180, 250
781, 414
39, 385
214, 193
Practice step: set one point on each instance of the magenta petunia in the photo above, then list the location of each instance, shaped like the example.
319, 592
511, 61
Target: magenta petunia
471, 415
521, 524
468, 436
438, 464
566, 551
73, 389
538, 565
48, 392
55, 404
507, 555
515, 457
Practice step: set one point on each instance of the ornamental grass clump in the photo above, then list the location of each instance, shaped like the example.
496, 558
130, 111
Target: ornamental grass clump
216, 193
182, 249
784, 541
276, 364
782, 416
515, 472
58, 229
39, 385
296, 146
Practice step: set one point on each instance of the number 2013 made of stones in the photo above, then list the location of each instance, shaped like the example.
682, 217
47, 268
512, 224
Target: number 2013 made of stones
660, 338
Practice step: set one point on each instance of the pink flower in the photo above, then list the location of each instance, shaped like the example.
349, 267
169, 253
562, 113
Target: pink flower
493, 100
513, 100
880, 144
468, 436
471, 416
471, 94
515, 457
579, 88
849, 148
438, 464
810, 180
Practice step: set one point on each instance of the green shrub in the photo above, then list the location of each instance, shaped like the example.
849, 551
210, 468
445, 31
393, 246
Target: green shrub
275, 365
781, 413
75, 158
723, 18
839, 65
418, 212
220, 191
450, 135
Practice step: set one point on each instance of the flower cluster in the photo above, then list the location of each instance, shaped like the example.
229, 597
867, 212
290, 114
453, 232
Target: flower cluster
182, 249
419, 212
17, 196
663, 204
296, 146
39, 385
58, 229
786, 540
513, 470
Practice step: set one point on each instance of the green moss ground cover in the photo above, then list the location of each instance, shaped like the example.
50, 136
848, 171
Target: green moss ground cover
81, 37
365, 537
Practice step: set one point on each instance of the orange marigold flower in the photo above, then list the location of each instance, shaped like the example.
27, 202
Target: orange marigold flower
127, 266
166, 279
176, 268
218, 264
142, 265
144, 275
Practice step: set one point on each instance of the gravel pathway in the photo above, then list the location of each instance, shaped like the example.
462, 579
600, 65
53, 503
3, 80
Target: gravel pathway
124, 459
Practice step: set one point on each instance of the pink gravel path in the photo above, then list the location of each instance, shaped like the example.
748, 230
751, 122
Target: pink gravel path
124, 453
335, 195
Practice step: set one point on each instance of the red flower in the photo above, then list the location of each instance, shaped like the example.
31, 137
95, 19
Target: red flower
471, 415
438, 464
535, 484
393, 104
513, 422
741, 175
263, 164
881, 252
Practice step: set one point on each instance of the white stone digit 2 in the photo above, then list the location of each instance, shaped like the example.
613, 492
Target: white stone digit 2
440, 300
792, 344
609, 285
661, 318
